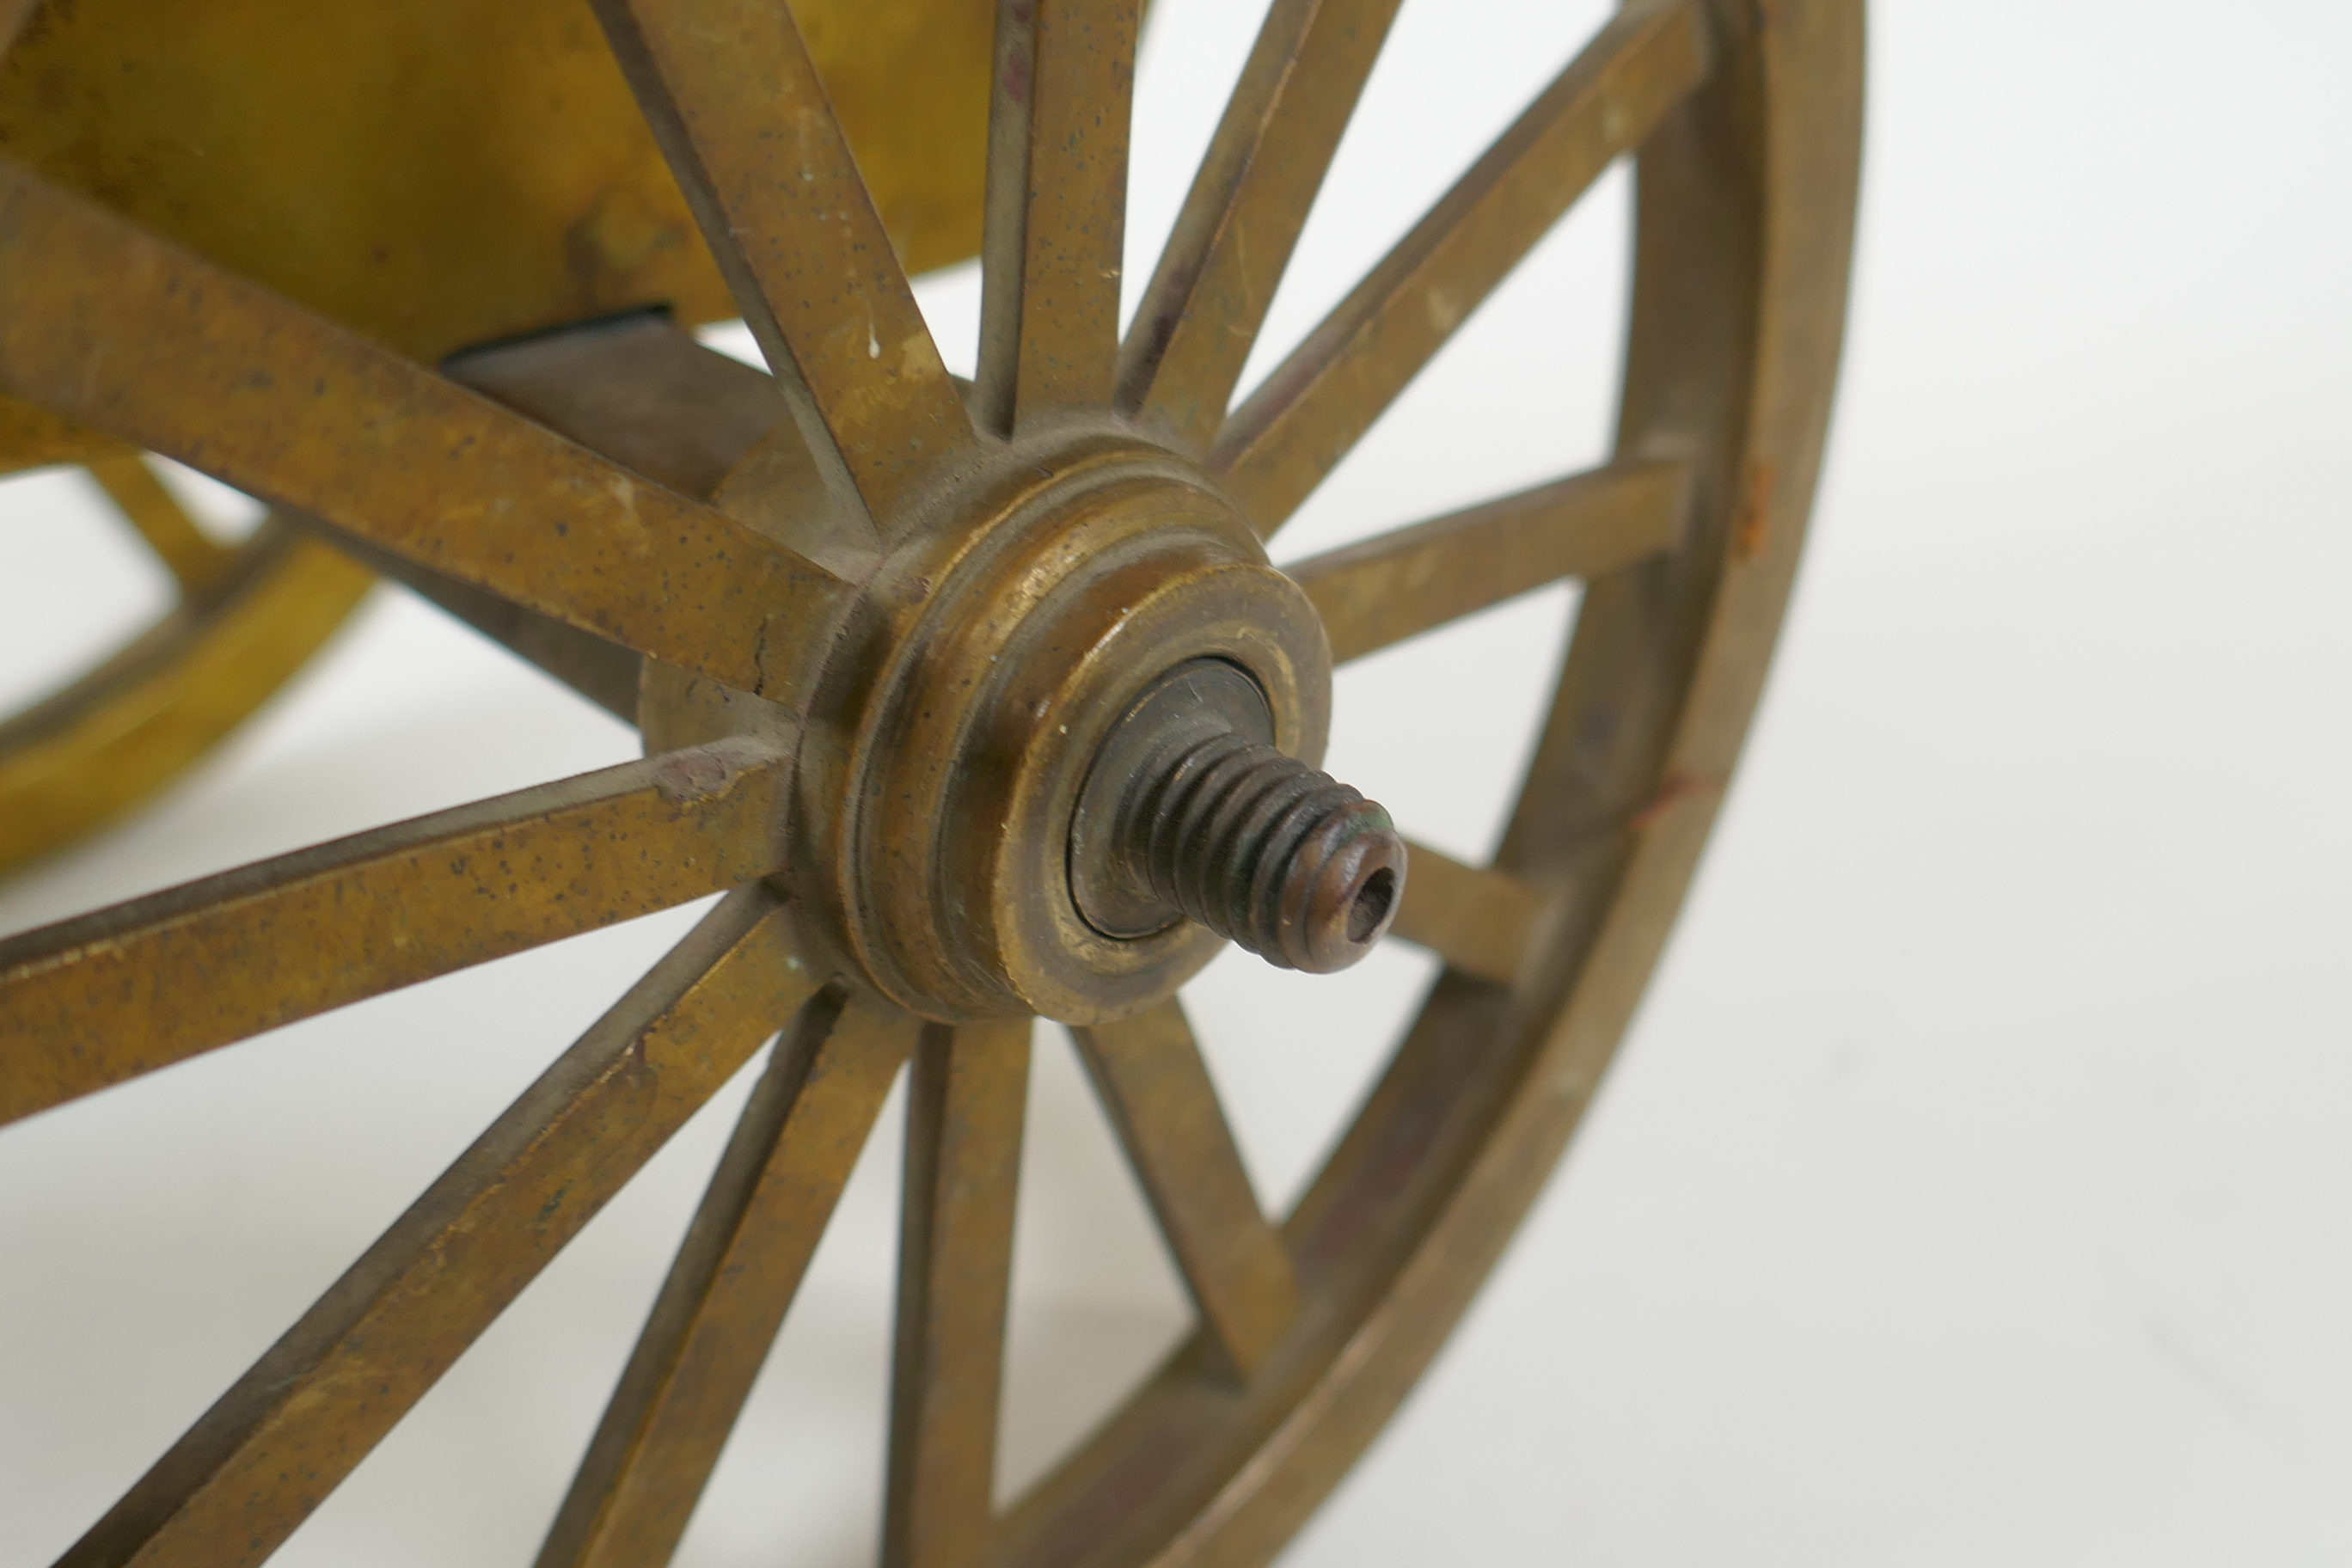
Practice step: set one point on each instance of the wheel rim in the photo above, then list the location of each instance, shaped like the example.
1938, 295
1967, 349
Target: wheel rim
114, 738
1313, 1332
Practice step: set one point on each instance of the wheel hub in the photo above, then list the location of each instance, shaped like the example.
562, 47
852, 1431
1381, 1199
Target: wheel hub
972, 706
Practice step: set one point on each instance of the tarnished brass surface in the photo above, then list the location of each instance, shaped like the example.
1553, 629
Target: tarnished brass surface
967, 1100
734, 1279
733, 96
157, 980
1210, 293
907, 812
1156, 1087
1056, 209
1588, 526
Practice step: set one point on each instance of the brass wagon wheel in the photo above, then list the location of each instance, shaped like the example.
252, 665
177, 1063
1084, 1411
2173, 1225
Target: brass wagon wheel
973, 696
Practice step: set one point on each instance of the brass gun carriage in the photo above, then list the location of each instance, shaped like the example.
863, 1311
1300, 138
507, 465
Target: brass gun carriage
979, 701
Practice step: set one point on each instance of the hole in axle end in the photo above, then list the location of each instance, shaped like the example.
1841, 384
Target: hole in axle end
1369, 906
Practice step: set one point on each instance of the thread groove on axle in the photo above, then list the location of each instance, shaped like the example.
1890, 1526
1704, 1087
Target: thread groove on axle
1241, 838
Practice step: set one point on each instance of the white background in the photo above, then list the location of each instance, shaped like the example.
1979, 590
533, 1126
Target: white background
1973, 1187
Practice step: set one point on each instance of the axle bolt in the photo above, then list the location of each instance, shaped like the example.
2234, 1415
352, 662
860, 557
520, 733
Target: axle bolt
1192, 813
1269, 853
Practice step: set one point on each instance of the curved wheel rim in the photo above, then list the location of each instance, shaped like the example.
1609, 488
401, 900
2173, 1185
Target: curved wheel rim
114, 738
1748, 130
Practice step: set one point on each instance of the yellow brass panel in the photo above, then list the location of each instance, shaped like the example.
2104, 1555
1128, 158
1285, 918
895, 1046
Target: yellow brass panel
441, 172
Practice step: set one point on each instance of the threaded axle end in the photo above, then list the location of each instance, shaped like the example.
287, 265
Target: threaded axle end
1265, 851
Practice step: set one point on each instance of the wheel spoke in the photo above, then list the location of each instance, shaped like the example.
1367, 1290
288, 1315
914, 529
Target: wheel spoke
640, 392
34, 437
118, 329
1149, 1073
1057, 134
195, 560
604, 672
257, 1464
1387, 589
966, 1098
735, 103
728, 1291
1316, 404
1480, 921
1232, 242
109, 995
